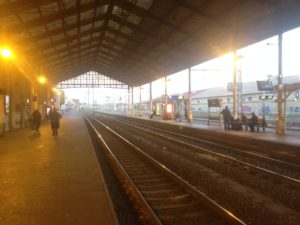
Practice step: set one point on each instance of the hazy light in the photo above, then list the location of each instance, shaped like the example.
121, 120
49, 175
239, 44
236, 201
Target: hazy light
6, 53
169, 108
42, 79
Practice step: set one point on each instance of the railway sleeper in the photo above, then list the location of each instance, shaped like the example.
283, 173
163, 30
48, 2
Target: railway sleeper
165, 185
150, 180
183, 210
194, 218
183, 199
167, 193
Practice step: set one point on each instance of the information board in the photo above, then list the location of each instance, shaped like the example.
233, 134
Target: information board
214, 102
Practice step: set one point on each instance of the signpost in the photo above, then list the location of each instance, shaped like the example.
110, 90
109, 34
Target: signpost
214, 103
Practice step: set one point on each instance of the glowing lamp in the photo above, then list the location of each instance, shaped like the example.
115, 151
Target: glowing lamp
42, 79
6, 53
169, 108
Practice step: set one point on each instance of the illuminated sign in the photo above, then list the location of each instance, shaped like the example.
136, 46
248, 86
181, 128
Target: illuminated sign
176, 97
266, 97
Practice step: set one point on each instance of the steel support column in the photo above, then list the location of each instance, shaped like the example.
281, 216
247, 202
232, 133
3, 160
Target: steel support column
280, 120
128, 103
132, 105
234, 86
140, 104
166, 91
151, 103
190, 96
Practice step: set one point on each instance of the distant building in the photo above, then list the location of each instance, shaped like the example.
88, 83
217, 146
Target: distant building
250, 99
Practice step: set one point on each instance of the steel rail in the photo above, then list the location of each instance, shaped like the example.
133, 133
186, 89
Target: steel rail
292, 165
283, 178
221, 211
151, 217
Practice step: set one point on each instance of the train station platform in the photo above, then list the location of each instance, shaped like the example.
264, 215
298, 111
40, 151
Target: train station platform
292, 137
49, 180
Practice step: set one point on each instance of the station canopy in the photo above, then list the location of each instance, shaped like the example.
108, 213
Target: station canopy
137, 41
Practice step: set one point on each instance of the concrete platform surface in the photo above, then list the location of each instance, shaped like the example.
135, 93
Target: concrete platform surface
292, 137
49, 180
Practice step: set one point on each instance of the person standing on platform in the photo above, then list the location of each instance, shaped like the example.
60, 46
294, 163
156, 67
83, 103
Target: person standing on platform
253, 122
54, 117
36, 117
227, 118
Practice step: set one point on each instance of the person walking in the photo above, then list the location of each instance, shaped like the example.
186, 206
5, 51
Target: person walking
227, 118
36, 117
54, 117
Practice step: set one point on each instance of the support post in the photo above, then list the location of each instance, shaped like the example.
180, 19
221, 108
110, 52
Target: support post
190, 96
234, 86
128, 103
280, 126
151, 103
140, 104
166, 91
132, 105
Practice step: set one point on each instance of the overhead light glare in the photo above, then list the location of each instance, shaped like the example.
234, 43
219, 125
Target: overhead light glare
6, 53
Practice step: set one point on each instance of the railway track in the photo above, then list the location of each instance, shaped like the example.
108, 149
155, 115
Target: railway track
160, 195
279, 189
259, 147
256, 162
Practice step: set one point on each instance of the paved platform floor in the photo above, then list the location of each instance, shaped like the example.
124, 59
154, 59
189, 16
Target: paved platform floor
292, 137
49, 180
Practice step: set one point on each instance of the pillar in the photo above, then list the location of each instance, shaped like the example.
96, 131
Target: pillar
128, 103
132, 105
151, 102
234, 86
280, 120
190, 96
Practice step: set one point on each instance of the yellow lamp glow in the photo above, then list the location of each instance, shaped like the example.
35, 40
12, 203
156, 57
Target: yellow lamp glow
42, 79
6, 53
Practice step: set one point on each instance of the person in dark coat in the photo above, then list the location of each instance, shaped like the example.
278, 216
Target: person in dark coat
227, 118
36, 117
253, 121
54, 117
245, 121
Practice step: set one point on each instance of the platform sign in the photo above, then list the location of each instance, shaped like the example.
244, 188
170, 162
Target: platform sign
214, 102
264, 85
176, 97
266, 97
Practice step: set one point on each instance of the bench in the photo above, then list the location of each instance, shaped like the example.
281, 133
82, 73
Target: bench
261, 123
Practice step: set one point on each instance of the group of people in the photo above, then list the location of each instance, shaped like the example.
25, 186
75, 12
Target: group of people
229, 120
53, 115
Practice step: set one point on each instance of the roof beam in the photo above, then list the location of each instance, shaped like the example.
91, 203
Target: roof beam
202, 13
69, 39
57, 16
67, 28
20, 6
